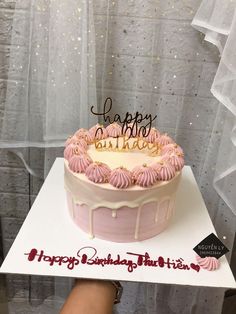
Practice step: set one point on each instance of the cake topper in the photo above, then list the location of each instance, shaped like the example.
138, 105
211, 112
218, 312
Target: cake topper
129, 122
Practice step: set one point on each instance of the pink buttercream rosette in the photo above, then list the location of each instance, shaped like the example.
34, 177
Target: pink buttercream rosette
71, 140
175, 160
79, 162
165, 171
72, 149
172, 148
121, 178
144, 175
208, 263
153, 136
164, 139
114, 130
86, 135
98, 132
98, 172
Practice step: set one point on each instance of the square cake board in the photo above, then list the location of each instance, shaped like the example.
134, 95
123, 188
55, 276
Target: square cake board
49, 229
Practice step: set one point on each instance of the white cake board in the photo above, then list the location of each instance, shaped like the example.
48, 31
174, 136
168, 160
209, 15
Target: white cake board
49, 227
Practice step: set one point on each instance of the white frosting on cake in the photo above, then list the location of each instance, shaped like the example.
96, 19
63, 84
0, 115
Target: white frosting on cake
128, 159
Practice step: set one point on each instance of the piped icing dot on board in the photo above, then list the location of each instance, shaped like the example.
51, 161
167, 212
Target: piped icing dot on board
208, 263
121, 178
98, 172
82, 143
79, 162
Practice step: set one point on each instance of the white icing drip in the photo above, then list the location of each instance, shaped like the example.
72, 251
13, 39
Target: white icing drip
157, 213
73, 209
91, 235
171, 207
114, 212
137, 223
163, 209
167, 209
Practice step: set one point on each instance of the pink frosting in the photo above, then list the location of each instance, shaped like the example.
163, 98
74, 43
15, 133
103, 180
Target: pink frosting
153, 135
100, 134
127, 132
79, 162
70, 140
121, 178
144, 176
98, 172
208, 263
86, 135
164, 139
176, 161
82, 143
80, 132
165, 171
70, 150
114, 130
172, 148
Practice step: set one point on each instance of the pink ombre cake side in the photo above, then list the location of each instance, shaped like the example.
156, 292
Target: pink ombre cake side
127, 225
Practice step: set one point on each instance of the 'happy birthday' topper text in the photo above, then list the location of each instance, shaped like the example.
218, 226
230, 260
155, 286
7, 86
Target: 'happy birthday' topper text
129, 122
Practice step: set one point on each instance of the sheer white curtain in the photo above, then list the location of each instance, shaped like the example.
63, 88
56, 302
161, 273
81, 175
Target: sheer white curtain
51, 75
67, 55
217, 20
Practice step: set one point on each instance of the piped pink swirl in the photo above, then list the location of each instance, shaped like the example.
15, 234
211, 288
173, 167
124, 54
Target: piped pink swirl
86, 135
80, 133
153, 135
164, 139
70, 140
99, 132
172, 148
176, 161
79, 162
144, 176
120, 178
81, 142
72, 149
208, 263
114, 129
98, 172
165, 171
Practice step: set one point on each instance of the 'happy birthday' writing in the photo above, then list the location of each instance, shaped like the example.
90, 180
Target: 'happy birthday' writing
129, 122
89, 256
123, 144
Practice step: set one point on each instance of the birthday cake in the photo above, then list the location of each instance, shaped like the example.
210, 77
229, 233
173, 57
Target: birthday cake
121, 180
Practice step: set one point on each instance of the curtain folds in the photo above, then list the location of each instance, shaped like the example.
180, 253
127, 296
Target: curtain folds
217, 20
51, 79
